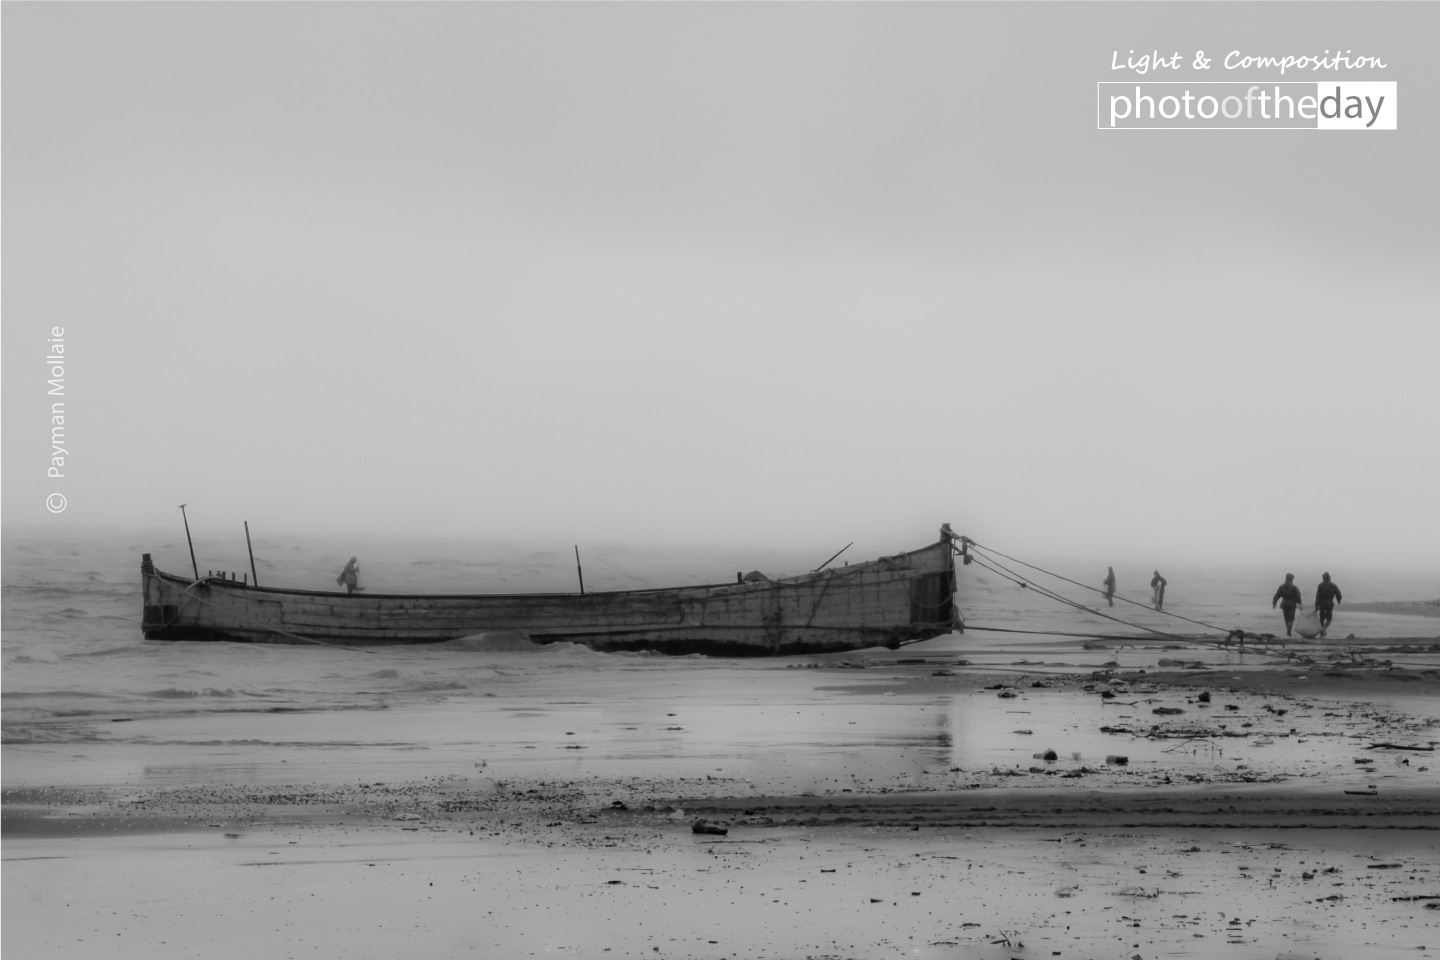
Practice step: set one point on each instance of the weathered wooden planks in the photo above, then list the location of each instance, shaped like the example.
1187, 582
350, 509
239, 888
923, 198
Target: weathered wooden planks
887, 601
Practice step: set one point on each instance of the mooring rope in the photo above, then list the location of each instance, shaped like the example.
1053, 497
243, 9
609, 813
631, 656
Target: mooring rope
1006, 573
1052, 595
1201, 623
1063, 633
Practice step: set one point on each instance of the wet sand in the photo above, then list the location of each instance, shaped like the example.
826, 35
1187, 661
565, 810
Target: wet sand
883, 804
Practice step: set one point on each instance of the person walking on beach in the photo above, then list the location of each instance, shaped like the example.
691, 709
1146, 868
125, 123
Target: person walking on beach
1326, 596
1288, 596
1110, 586
350, 577
1157, 588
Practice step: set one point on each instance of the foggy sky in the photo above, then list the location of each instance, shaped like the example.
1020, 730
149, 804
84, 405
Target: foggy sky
789, 275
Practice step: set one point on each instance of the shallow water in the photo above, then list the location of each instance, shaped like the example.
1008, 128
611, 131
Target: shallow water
86, 699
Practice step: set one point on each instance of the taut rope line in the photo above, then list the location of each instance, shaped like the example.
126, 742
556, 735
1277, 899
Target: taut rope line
1050, 594
1086, 586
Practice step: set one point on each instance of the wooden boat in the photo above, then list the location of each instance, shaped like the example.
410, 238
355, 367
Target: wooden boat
890, 601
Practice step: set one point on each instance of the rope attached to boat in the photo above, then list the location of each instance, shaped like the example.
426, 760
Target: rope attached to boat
1052, 595
1086, 586
1006, 573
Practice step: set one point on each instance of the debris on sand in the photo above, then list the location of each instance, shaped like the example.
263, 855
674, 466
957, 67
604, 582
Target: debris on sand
1117, 760
709, 826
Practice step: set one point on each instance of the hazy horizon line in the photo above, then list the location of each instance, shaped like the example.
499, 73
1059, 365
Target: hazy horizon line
343, 543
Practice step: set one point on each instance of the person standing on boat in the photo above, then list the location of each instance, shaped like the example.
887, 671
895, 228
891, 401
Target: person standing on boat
1326, 596
1288, 596
1110, 586
350, 577
1157, 588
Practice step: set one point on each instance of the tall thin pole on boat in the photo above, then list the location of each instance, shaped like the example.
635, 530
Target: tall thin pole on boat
578, 571
837, 553
253, 574
193, 565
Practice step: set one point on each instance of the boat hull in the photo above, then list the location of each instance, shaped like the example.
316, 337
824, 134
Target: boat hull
889, 602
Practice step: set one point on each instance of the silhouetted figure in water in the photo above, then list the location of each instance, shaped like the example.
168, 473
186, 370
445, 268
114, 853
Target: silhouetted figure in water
1326, 596
1157, 590
350, 577
1288, 596
1110, 586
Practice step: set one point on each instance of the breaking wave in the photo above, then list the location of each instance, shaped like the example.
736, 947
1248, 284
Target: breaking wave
171, 693
498, 642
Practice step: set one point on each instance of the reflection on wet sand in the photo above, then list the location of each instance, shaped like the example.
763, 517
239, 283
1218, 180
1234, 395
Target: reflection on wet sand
430, 802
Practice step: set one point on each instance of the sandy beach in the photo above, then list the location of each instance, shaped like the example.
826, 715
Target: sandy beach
1079, 788
449, 325
878, 804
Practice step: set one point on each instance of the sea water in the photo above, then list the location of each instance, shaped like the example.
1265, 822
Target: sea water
86, 699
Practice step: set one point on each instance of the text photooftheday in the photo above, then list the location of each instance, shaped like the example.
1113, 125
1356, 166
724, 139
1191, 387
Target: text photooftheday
1201, 105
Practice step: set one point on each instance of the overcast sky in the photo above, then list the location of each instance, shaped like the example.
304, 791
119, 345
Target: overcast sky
789, 275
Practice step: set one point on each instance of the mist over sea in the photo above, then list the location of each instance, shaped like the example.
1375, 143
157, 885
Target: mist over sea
76, 668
